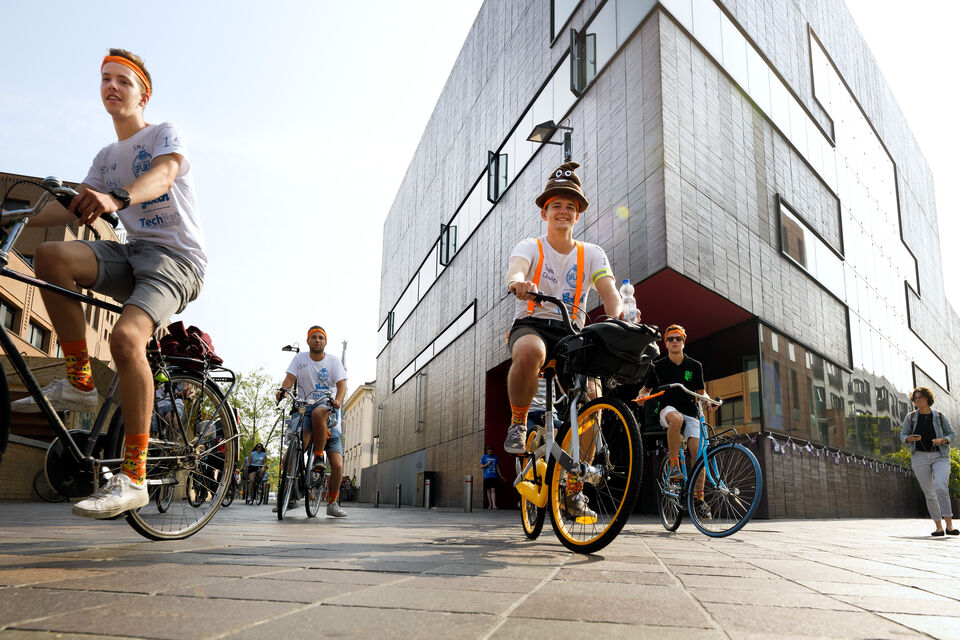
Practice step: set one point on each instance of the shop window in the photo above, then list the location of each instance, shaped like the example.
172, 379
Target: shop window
730, 412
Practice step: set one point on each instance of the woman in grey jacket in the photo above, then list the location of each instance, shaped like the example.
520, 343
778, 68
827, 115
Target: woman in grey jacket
928, 434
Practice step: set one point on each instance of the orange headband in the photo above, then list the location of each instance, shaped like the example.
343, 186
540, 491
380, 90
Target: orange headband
549, 200
677, 331
131, 65
317, 330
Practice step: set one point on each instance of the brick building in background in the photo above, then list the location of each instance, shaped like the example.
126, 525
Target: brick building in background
25, 318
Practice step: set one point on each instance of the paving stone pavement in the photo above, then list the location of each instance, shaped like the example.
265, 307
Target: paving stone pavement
411, 573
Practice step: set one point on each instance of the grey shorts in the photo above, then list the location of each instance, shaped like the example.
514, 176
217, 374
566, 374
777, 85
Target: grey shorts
148, 276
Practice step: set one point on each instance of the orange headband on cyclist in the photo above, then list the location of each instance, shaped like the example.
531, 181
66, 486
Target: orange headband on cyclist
675, 331
317, 330
131, 65
549, 200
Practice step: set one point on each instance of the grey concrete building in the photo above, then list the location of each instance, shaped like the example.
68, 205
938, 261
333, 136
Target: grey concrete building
748, 169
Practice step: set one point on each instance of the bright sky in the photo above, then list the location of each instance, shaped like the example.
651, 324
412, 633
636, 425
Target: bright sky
915, 45
301, 119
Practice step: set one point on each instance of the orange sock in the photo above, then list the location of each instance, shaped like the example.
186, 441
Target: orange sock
332, 497
79, 372
519, 414
675, 462
135, 457
573, 486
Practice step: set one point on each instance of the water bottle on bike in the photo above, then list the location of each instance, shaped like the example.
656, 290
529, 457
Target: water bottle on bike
628, 301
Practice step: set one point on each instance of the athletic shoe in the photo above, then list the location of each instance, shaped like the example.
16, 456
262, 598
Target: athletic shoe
63, 396
516, 442
118, 495
333, 509
675, 474
703, 510
576, 506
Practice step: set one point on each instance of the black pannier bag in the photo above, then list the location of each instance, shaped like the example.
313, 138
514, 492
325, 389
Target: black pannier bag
612, 350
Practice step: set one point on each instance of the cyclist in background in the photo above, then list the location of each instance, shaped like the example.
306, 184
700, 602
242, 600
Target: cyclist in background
154, 274
322, 382
678, 410
556, 265
255, 464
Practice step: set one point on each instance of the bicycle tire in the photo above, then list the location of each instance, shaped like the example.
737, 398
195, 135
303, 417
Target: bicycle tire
228, 497
43, 488
611, 496
261, 493
669, 498
288, 479
736, 495
192, 452
164, 497
4, 413
531, 516
314, 489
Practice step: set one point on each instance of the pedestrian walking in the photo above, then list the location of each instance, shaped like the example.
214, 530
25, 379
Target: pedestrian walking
928, 434
491, 472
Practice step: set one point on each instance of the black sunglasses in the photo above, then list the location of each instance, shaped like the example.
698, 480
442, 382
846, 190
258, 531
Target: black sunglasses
674, 339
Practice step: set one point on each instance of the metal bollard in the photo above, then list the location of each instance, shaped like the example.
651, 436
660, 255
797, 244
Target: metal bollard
376, 499
468, 494
426, 494
397, 504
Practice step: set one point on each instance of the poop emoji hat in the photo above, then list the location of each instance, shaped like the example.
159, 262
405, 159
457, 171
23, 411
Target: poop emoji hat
563, 182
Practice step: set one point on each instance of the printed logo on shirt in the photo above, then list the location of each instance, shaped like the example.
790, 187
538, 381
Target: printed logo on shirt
323, 376
548, 274
688, 376
142, 162
572, 277
171, 219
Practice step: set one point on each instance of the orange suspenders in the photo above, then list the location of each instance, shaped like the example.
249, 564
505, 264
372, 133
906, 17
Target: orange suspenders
579, 287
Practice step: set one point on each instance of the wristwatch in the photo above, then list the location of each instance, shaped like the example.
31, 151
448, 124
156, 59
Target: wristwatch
122, 196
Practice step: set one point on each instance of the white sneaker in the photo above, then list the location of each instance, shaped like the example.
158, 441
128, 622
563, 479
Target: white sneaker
576, 506
333, 509
118, 495
63, 396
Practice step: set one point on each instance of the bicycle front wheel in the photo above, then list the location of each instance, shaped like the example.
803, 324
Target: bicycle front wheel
588, 512
288, 476
731, 490
669, 500
190, 459
314, 488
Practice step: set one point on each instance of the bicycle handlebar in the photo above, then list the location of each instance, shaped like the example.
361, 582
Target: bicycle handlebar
54, 188
560, 304
676, 385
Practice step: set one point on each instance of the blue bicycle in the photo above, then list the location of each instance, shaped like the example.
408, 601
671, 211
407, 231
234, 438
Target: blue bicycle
726, 472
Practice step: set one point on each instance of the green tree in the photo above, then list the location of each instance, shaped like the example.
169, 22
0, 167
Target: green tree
255, 402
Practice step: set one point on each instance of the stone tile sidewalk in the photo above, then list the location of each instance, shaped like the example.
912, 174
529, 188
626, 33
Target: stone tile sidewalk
446, 574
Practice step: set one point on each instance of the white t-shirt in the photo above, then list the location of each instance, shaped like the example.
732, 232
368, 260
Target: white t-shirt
559, 276
172, 220
317, 378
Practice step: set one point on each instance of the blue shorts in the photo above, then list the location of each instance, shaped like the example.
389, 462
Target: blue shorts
334, 442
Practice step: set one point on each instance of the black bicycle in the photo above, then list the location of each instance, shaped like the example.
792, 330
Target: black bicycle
299, 476
193, 446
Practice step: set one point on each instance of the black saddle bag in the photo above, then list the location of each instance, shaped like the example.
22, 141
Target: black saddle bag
614, 350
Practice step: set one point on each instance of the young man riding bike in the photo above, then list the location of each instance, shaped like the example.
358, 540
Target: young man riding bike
678, 412
556, 265
322, 382
145, 178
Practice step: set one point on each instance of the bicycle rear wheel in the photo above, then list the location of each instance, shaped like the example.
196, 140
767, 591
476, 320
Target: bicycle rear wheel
314, 488
228, 496
669, 498
164, 497
288, 476
192, 452
43, 489
731, 491
610, 441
